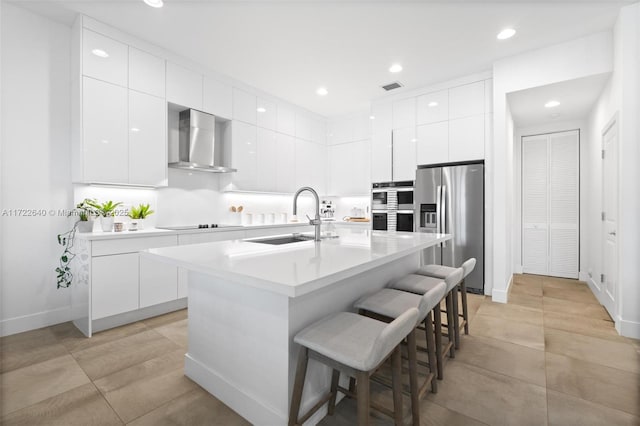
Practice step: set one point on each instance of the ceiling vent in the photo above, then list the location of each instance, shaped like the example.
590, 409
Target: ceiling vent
391, 86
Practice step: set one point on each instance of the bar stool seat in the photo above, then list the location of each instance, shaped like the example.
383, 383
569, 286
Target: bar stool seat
354, 345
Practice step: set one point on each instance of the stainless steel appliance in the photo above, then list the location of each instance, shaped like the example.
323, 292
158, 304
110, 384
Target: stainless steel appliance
449, 198
392, 206
198, 226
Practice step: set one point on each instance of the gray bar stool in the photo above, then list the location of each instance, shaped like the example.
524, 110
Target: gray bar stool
389, 304
357, 346
421, 284
440, 271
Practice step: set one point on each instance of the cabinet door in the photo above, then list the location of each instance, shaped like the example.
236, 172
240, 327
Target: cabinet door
184, 87
466, 100
433, 107
404, 113
285, 169
267, 114
349, 168
244, 155
208, 237
286, 120
104, 132
310, 164
104, 58
147, 140
381, 146
244, 106
303, 126
404, 154
217, 98
340, 130
267, 159
158, 282
183, 281
146, 73
433, 143
466, 138
114, 284
319, 131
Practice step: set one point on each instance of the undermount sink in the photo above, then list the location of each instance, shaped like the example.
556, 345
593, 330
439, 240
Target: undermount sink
287, 239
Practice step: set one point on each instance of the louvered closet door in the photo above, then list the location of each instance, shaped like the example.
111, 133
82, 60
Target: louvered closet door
550, 204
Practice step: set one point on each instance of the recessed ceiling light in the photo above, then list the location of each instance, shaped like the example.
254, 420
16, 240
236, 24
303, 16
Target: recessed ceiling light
432, 104
322, 91
372, 117
100, 53
506, 33
414, 140
261, 109
135, 129
551, 104
395, 68
154, 3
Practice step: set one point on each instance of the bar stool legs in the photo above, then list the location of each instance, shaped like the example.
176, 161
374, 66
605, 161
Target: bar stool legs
465, 308
437, 313
456, 317
301, 374
451, 333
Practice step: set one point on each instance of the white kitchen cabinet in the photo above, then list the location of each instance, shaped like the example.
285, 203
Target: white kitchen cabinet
349, 171
286, 120
488, 96
381, 146
184, 86
217, 98
267, 159
361, 127
319, 131
244, 106
433, 143
433, 107
466, 138
267, 114
146, 73
114, 284
303, 126
466, 100
158, 282
404, 154
209, 237
340, 130
105, 152
147, 139
104, 58
404, 113
310, 165
244, 150
286, 158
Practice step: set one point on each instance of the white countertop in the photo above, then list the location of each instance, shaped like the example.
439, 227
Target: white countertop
298, 268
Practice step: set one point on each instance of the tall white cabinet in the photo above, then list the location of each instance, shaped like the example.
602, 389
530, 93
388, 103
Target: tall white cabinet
550, 204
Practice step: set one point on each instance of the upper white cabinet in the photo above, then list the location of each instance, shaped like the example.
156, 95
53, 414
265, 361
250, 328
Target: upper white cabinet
286, 120
404, 113
319, 131
267, 114
244, 155
217, 98
184, 87
310, 165
267, 161
433, 143
104, 58
147, 140
466, 100
244, 106
433, 107
303, 126
404, 154
286, 157
381, 145
466, 138
146, 73
349, 168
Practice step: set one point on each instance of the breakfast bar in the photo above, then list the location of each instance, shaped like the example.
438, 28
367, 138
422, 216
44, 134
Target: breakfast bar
248, 298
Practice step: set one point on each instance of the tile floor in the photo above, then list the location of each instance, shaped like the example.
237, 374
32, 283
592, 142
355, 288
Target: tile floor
549, 356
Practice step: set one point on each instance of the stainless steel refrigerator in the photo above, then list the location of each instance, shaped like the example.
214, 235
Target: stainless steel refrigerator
449, 198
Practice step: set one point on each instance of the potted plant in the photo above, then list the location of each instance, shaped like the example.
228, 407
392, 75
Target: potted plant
106, 210
86, 213
139, 214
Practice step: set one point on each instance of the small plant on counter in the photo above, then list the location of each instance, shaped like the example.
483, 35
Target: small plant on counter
85, 209
140, 212
106, 209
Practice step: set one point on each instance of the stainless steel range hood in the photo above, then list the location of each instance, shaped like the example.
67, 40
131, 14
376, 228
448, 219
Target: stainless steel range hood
198, 148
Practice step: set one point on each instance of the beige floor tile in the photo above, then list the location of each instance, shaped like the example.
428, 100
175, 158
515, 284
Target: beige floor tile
141, 388
117, 355
618, 355
526, 288
635, 343
432, 414
582, 325
165, 319
513, 360
509, 331
510, 312
575, 293
563, 306
489, 397
607, 386
194, 408
528, 278
558, 282
526, 300
37, 382
177, 332
566, 410
81, 406
75, 341
31, 347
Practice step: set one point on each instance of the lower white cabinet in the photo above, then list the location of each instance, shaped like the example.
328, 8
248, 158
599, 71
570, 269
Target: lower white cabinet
158, 282
114, 284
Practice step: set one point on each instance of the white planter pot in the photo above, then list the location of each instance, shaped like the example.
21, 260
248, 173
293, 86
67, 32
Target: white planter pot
107, 223
85, 226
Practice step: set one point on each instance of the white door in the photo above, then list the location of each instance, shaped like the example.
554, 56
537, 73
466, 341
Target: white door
609, 278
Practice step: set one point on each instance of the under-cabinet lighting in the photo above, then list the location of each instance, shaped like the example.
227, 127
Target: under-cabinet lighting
100, 53
506, 33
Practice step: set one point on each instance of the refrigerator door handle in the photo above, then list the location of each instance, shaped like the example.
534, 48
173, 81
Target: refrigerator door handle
438, 208
443, 211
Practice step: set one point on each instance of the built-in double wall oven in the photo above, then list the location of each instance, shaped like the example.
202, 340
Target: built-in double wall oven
392, 206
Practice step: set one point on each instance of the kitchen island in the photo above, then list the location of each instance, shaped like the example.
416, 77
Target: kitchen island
247, 300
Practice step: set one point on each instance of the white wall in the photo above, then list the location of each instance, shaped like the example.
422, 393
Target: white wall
566, 61
35, 166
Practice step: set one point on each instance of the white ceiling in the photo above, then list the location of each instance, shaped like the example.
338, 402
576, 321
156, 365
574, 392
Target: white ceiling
289, 48
576, 97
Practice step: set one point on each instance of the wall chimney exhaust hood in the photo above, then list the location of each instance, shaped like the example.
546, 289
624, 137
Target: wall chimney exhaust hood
198, 147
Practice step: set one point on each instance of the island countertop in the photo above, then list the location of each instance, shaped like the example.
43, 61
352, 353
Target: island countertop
298, 268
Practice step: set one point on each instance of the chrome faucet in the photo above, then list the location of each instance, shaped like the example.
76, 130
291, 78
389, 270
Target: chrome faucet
316, 221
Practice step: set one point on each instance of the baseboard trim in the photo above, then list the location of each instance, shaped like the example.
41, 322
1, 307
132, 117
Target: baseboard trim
137, 315
29, 322
517, 269
583, 276
500, 295
628, 328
